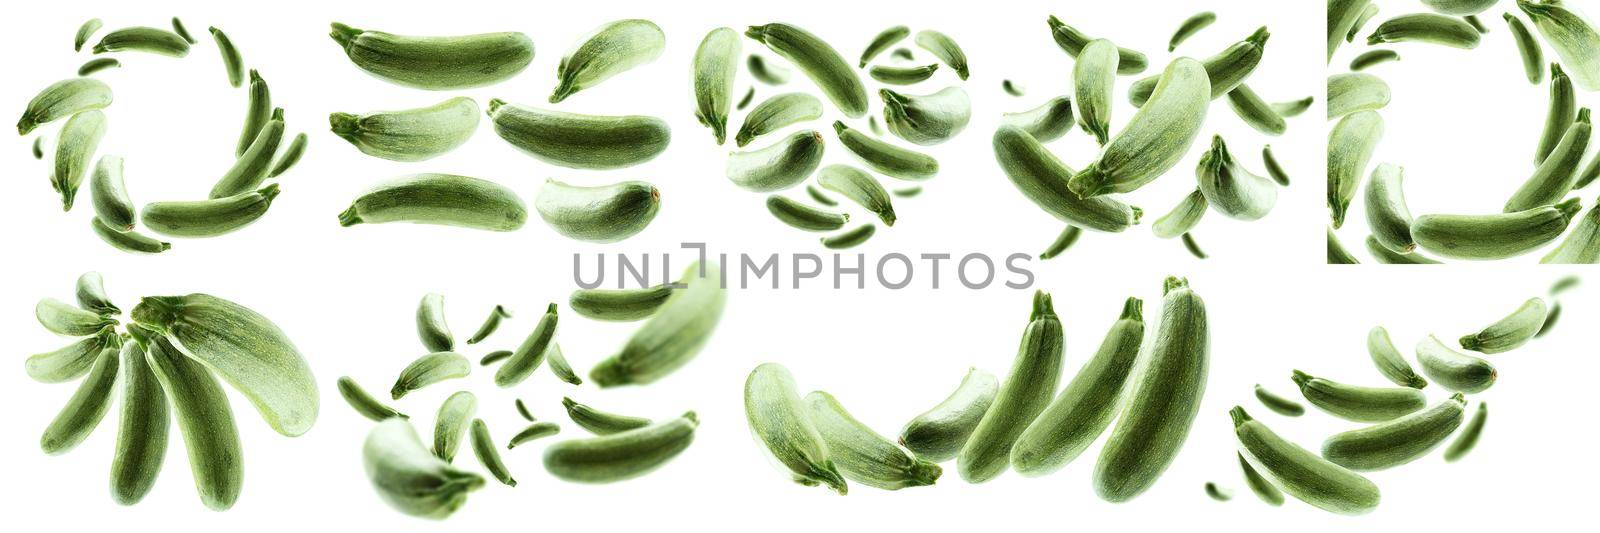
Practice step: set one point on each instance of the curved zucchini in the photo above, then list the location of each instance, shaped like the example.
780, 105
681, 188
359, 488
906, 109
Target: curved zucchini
1387, 213
609, 50
619, 305
252, 166
882, 42
926, 119
431, 325
364, 403
442, 199
819, 61
784, 426
1183, 217
1398, 441
1045, 123
63, 99
672, 337
206, 421
409, 478
69, 320
716, 64
776, 113
600, 422
1278, 404
894, 75
1043, 179
1389, 361
429, 369
604, 214
530, 354
1086, 406
450, 424
1299, 472
1426, 28
1359, 404
1023, 395
944, 48
1510, 332
1259, 484
1354, 92
143, 39
1558, 171
1072, 41
804, 217
580, 141
87, 407
1469, 436
851, 238
1231, 189
1572, 36
76, 144
621, 456
886, 158
71, 361
111, 203
411, 134
1157, 136
1163, 401
1094, 74
1226, 70
860, 188
209, 218
778, 166
1350, 147
1454, 370
939, 433
862, 455
141, 429
436, 63
1496, 236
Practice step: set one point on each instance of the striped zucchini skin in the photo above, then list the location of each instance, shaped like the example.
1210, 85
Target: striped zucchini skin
408, 477
206, 421
1163, 401
621, 456
1157, 136
209, 218
530, 354
436, 63
86, 31
291, 155
780, 420
819, 61
62, 318
1510, 332
778, 166
429, 369
410, 134
90, 292
1042, 178
1022, 396
1496, 236
619, 305
143, 39
76, 144
1300, 473
938, 434
1426, 28
926, 119
609, 50
579, 141
142, 428
490, 324
1454, 370
881, 43
258, 110
128, 241
603, 214
488, 454
860, 187
776, 113
251, 168
673, 336
1398, 441
71, 361
1094, 74
1556, 174
1086, 406
862, 455
450, 425
1468, 438
716, 65
87, 407
431, 325
803, 216
1389, 361
1045, 123
363, 402
442, 199
63, 99
600, 422
1353, 92
243, 347
886, 158
946, 49
1572, 36
1226, 70
1350, 146
1359, 404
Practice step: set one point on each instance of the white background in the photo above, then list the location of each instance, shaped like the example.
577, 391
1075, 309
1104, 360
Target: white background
347, 295
1463, 124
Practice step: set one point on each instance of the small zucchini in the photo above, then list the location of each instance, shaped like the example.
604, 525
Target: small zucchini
76, 144
1387, 213
619, 305
442, 199
1468, 438
490, 324
87, 407
364, 403
488, 455
1045, 123
862, 455
1232, 190
621, 456
71, 361
1278, 404
530, 353
600, 422
429, 369
1359, 404
1454, 370
784, 425
1396, 442
1094, 74
1510, 332
939, 433
859, 187
897, 75
603, 214
804, 217
882, 42
143, 39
